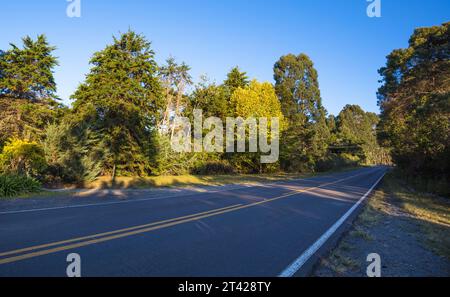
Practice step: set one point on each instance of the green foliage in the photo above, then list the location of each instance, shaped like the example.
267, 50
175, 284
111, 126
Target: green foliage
23, 119
336, 161
306, 139
118, 106
14, 185
415, 103
213, 168
27, 90
213, 100
22, 158
236, 79
123, 114
27, 73
355, 133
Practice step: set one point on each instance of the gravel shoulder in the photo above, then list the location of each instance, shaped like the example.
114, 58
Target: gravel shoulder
409, 230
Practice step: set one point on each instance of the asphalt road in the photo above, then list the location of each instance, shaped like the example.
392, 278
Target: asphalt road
269, 230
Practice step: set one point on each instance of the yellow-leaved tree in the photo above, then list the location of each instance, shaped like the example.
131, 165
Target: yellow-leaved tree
257, 100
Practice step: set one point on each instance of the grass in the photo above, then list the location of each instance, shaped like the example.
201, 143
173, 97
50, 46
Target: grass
197, 180
338, 262
16, 185
431, 212
359, 232
42, 194
105, 182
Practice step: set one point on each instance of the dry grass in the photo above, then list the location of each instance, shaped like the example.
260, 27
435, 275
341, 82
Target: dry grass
431, 212
338, 262
196, 180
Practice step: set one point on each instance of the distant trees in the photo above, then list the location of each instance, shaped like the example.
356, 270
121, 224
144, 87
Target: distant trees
297, 86
123, 114
415, 103
356, 134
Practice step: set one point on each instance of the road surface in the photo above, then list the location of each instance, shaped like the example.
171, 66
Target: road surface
275, 229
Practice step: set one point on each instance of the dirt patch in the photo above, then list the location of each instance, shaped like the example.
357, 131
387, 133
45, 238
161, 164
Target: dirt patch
409, 230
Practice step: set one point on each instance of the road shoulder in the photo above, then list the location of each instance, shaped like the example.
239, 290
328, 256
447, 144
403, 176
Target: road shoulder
410, 231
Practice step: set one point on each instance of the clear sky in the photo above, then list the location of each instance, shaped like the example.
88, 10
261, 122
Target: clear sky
212, 36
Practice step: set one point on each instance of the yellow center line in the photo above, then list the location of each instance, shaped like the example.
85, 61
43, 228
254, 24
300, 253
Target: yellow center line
107, 236
110, 232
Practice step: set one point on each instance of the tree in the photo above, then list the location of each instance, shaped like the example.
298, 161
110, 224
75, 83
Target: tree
236, 79
27, 90
257, 100
117, 107
415, 103
211, 99
356, 135
297, 87
175, 78
27, 73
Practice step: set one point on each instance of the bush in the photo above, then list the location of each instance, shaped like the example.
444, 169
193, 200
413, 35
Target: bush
15, 185
335, 161
21, 157
214, 167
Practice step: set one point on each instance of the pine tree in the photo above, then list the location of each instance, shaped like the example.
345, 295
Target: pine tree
236, 79
27, 73
27, 90
119, 104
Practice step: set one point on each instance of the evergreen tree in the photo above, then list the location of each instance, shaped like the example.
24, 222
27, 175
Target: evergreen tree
117, 107
356, 135
27, 90
297, 87
27, 73
415, 103
236, 79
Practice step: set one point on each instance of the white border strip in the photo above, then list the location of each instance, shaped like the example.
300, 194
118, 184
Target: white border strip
300, 261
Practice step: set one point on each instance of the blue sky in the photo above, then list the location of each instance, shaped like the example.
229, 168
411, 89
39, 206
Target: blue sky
212, 36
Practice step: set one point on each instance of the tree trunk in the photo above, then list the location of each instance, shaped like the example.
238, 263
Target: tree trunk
113, 178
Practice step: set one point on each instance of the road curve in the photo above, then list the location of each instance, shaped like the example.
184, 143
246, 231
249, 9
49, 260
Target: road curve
276, 229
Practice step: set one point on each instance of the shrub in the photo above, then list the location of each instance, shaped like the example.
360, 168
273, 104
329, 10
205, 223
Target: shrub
214, 167
15, 185
334, 161
21, 157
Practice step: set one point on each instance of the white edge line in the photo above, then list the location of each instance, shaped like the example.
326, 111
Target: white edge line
300, 261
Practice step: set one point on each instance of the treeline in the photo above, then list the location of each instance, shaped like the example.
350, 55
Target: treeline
415, 104
123, 114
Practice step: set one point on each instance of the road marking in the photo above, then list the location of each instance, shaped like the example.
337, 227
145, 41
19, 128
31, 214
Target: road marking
112, 202
141, 229
292, 269
148, 199
111, 232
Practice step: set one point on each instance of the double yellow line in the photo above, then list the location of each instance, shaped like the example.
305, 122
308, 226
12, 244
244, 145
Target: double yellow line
54, 247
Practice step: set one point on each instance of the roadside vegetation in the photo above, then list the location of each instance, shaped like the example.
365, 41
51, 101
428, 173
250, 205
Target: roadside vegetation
14, 185
408, 228
123, 115
415, 108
